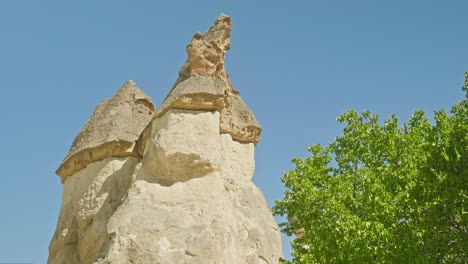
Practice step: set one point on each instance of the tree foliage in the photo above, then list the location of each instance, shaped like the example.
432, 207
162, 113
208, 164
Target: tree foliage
383, 193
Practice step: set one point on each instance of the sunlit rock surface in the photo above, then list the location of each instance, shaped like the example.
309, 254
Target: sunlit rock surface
170, 186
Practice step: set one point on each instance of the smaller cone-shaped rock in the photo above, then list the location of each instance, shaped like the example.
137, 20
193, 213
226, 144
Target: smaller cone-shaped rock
112, 130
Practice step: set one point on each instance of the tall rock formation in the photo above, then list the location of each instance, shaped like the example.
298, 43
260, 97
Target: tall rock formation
171, 185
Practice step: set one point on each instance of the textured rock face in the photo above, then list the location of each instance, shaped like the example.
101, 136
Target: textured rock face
206, 52
204, 84
182, 191
112, 130
238, 121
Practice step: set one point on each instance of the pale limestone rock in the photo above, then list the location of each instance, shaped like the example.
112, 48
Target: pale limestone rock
217, 217
177, 139
89, 198
181, 190
238, 160
112, 130
123, 210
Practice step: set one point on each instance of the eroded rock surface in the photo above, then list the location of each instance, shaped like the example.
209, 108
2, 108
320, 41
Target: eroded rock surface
239, 121
112, 130
206, 52
172, 186
204, 84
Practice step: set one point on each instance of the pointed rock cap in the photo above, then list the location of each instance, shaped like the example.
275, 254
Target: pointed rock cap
206, 52
204, 84
112, 130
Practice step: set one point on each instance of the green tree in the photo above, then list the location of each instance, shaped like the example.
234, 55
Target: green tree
381, 193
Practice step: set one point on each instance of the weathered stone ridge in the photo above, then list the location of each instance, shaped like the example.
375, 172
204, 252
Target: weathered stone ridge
112, 130
171, 186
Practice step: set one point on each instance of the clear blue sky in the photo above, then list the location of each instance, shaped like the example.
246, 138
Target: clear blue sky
298, 65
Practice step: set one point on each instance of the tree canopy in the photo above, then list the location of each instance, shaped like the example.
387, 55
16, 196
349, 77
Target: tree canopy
382, 192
